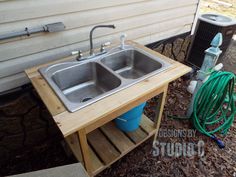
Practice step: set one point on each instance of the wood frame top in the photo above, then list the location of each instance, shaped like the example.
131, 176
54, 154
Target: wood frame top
110, 107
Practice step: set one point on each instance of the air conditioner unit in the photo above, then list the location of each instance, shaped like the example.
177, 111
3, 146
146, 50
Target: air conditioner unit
207, 27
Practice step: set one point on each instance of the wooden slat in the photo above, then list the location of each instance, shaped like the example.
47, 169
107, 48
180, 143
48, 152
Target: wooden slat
96, 163
102, 146
147, 125
49, 97
137, 136
118, 138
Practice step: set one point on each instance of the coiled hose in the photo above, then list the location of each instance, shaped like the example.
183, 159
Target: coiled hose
214, 105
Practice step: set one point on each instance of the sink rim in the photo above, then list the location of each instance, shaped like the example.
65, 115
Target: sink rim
70, 105
47, 73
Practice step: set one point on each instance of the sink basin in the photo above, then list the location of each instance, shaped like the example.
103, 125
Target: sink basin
81, 83
78, 84
131, 64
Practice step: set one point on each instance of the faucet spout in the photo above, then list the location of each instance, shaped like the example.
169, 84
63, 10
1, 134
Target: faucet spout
91, 35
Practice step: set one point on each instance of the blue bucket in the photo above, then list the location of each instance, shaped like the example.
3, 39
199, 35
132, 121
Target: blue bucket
130, 120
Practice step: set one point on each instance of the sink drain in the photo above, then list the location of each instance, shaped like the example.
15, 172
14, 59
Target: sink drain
86, 99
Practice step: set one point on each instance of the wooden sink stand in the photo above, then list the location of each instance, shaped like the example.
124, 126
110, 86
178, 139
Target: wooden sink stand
91, 133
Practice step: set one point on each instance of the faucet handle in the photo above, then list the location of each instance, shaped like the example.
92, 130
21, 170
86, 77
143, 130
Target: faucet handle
104, 45
79, 53
74, 52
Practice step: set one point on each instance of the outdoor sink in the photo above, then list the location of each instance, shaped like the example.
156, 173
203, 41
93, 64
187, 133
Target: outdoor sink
80, 83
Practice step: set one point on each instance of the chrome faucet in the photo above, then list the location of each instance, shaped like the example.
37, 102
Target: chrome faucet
102, 49
91, 36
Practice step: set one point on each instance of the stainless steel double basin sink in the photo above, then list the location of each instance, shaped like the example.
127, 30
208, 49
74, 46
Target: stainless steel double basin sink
79, 84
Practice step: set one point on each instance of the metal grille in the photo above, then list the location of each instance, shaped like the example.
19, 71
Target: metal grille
204, 34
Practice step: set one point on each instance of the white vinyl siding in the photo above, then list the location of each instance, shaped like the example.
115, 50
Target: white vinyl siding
144, 21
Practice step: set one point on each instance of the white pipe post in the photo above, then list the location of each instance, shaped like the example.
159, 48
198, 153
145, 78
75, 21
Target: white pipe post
211, 56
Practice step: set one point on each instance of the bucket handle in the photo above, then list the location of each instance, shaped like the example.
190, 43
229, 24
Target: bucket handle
122, 119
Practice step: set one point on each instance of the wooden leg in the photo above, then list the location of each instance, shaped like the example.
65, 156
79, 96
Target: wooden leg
85, 151
74, 144
159, 110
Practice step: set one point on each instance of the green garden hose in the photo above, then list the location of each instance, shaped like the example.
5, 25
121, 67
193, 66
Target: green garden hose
214, 105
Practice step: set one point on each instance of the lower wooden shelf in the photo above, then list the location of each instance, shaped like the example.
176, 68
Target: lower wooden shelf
108, 143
